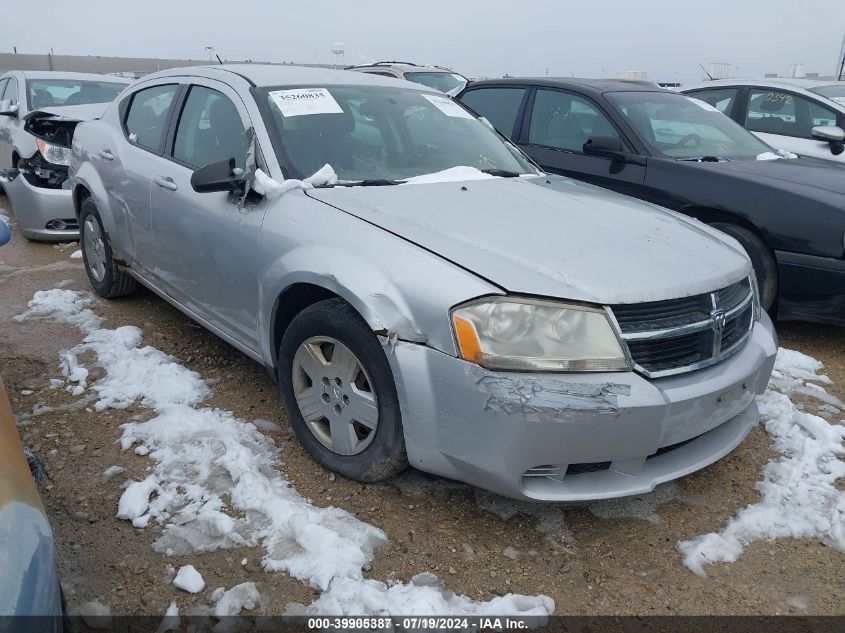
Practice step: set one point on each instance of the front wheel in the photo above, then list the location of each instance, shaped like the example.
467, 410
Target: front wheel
106, 277
762, 261
339, 393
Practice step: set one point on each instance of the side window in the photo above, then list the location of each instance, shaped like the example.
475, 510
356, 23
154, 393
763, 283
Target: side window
820, 115
146, 120
775, 112
210, 130
722, 99
11, 91
498, 105
564, 121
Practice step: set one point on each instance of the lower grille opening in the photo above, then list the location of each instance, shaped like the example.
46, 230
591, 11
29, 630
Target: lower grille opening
588, 467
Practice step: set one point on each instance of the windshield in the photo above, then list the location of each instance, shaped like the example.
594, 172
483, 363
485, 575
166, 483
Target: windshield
381, 133
46, 93
444, 82
836, 92
675, 126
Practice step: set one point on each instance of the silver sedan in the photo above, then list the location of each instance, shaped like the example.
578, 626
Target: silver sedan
421, 292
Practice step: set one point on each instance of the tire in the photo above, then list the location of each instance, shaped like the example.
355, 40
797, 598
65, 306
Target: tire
764, 264
106, 277
315, 350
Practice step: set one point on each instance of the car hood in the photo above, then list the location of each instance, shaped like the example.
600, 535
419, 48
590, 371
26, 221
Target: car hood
809, 173
85, 112
553, 237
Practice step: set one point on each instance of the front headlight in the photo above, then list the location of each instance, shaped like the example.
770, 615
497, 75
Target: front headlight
55, 154
535, 335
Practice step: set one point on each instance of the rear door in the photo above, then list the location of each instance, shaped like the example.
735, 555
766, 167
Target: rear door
556, 125
501, 105
125, 162
785, 120
205, 244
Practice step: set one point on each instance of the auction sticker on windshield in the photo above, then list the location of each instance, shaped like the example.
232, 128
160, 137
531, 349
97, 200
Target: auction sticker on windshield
447, 106
302, 101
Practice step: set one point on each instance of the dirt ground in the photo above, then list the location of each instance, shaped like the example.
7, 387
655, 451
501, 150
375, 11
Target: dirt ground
615, 557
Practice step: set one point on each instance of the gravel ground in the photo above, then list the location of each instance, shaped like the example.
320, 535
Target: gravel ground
616, 557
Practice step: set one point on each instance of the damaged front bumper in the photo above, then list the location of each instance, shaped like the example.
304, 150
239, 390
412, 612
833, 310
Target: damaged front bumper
42, 213
572, 437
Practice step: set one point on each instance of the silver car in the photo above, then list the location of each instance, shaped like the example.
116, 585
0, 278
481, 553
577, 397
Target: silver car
421, 292
436, 77
38, 113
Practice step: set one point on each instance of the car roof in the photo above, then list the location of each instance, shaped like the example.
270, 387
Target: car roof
576, 83
405, 67
58, 74
779, 82
263, 75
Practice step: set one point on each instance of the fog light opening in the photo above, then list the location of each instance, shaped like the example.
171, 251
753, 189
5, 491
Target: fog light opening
57, 225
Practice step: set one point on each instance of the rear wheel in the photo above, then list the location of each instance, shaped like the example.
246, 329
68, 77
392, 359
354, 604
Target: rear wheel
106, 277
339, 393
764, 264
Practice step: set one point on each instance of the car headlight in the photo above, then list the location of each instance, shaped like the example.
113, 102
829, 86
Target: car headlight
536, 335
55, 154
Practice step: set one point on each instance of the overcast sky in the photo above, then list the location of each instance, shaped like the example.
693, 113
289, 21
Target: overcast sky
587, 38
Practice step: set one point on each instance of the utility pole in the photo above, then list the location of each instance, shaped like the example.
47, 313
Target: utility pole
841, 61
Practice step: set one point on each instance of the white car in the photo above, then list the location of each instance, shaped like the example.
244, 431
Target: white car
804, 116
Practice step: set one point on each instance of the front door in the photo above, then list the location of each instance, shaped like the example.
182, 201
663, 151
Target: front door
205, 244
785, 120
558, 124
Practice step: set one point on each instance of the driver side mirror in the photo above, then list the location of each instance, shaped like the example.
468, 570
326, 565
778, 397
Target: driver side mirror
7, 109
219, 176
832, 134
606, 147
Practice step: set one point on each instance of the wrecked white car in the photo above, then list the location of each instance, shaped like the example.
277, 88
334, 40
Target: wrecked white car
38, 113
422, 293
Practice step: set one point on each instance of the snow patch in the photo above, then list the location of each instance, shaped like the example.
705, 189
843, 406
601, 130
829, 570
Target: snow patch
453, 174
76, 255
214, 484
272, 189
242, 596
66, 306
798, 496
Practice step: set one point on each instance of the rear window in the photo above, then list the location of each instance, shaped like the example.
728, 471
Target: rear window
51, 93
444, 82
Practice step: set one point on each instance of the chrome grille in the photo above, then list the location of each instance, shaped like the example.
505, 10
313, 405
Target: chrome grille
680, 335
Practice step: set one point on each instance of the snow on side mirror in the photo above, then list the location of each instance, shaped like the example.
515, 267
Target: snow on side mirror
7, 109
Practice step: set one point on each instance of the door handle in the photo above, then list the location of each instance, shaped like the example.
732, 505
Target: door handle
166, 182
106, 154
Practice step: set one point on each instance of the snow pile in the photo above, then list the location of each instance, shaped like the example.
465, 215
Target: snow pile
76, 255
272, 189
242, 596
453, 174
424, 595
189, 579
214, 483
67, 306
798, 496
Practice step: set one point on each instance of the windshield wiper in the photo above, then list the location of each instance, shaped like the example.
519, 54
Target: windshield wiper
504, 173
707, 159
372, 182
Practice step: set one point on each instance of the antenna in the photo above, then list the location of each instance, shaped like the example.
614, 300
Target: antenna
705, 72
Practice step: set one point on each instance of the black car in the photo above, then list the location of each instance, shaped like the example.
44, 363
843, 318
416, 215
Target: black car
682, 153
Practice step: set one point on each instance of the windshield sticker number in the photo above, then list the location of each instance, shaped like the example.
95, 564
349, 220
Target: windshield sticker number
447, 106
304, 101
703, 105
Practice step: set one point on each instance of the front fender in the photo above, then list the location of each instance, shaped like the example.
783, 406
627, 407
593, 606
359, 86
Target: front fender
364, 286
